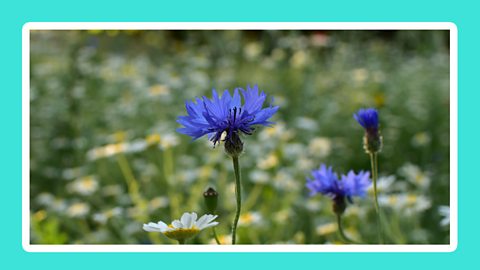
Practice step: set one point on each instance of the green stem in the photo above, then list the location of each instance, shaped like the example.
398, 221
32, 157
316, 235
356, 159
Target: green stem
252, 197
374, 163
168, 170
181, 241
215, 236
238, 195
132, 185
342, 233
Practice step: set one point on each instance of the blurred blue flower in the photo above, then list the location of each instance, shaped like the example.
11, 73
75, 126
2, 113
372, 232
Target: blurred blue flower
367, 118
215, 116
325, 181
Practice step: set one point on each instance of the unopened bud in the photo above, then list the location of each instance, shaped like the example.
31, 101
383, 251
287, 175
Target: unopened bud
234, 145
211, 200
372, 142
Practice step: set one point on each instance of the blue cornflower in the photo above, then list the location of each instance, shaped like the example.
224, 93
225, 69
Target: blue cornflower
226, 114
325, 181
367, 118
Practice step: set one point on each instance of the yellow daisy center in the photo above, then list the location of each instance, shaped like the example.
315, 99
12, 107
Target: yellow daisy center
181, 234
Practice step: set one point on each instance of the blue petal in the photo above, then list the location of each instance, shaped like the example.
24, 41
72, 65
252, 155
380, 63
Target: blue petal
262, 116
253, 101
367, 118
236, 101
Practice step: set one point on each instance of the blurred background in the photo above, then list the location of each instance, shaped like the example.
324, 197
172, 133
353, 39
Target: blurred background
105, 156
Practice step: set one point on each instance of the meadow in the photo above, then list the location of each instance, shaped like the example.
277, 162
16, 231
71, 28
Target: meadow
106, 158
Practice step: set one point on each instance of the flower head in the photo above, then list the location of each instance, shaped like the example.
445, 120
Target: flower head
225, 115
356, 184
187, 227
326, 181
367, 118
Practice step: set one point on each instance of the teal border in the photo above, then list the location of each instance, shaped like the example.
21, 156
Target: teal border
463, 13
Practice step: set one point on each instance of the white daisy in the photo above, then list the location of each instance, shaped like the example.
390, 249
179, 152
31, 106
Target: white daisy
444, 211
180, 230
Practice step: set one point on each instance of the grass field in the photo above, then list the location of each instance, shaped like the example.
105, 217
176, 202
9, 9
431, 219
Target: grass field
106, 158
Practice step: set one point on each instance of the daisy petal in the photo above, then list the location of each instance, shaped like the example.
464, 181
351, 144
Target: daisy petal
151, 227
177, 224
162, 226
186, 220
209, 225
205, 221
201, 221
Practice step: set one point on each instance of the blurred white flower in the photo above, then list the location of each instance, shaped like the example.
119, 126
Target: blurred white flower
100, 236
73, 173
384, 184
107, 151
282, 216
198, 78
131, 228
100, 218
159, 90
104, 216
250, 218
78, 209
327, 228
421, 139
388, 200
136, 146
313, 205
299, 59
417, 204
158, 202
168, 140
224, 239
444, 211
360, 75
86, 185
409, 204
306, 123
293, 150
45, 199
355, 210
420, 235
320, 147
268, 162
186, 176
206, 171
278, 54
299, 238
112, 190
284, 180
304, 164
152, 139
113, 149
252, 50
278, 131
59, 205
414, 175
258, 176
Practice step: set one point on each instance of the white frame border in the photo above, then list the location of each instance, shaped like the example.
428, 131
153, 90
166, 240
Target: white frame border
27, 246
